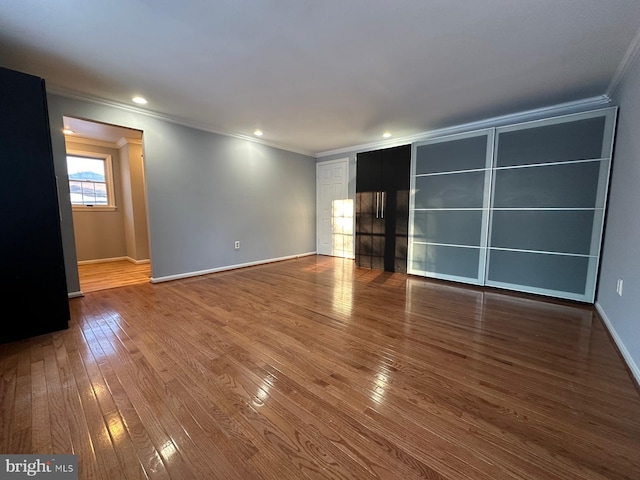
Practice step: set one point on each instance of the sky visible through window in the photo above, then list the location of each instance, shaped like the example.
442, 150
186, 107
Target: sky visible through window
76, 166
87, 182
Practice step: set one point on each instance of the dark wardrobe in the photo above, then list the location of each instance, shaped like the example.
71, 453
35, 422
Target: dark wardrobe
382, 208
33, 288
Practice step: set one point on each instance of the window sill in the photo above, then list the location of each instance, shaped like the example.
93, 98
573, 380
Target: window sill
96, 208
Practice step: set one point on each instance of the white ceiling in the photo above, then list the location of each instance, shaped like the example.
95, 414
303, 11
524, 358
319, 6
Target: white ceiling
318, 75
98, 131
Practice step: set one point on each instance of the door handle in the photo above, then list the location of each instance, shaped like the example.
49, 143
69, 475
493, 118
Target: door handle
377, 204
382, 204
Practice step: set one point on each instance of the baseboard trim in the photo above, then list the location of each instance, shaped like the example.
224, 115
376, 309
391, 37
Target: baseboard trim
114, 259
229, 267
137, 262
102, 260
631, 364
75, 294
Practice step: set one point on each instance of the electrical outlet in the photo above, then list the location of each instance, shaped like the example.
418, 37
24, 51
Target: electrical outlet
237, 245
619, 287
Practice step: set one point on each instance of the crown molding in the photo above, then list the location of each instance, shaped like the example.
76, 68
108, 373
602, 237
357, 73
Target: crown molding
558, 109
625, 64
127, 140
512, 118
89, 141
68, 93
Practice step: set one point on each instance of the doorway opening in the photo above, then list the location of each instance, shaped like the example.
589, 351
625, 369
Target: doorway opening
335, 210
105, 166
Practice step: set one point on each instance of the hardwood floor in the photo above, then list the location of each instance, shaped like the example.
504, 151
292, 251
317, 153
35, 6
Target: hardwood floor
101, 276
312, 368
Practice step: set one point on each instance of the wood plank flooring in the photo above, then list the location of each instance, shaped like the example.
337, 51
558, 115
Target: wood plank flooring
314, 369
101, 276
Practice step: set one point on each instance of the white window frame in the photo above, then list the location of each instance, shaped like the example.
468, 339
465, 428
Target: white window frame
108, 173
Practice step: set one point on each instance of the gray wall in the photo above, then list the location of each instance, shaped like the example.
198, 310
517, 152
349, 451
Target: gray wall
621, 252
204, 191
100, 234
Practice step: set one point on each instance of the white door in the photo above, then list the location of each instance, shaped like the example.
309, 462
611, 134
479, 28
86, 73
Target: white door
334, 209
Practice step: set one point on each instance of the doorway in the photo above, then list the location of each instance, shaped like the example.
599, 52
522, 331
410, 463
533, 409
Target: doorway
334, 209
108, 200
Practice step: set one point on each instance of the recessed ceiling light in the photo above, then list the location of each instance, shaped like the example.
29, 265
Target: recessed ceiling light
386, 135
68, 131
140, 100
258, 133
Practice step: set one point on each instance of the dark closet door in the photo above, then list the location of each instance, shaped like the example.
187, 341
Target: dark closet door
370, 224
382, 208
33, 284
396, 167
369, 171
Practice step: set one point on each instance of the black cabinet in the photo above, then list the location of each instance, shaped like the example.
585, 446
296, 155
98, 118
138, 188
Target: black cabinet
33, 285
382, 208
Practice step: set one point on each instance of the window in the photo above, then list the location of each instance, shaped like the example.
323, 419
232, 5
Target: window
90, 180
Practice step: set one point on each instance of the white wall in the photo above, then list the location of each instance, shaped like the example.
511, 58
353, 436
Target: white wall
621, 249
204, 191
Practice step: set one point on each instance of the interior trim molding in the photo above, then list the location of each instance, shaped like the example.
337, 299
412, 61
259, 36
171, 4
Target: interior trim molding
65, 92
179, 276
509, 119
631, 364
102, 260
335, 160
137, 262
89, 141
75, 294
625, 65
114, 259
126, 140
